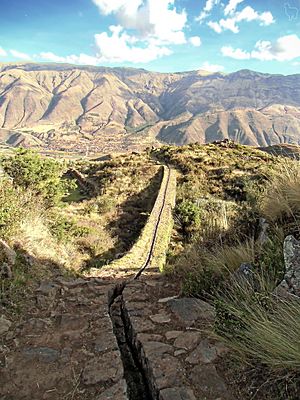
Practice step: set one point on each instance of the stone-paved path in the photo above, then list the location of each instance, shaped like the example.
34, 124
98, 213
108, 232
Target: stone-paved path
100, 339
65, 348
180, 360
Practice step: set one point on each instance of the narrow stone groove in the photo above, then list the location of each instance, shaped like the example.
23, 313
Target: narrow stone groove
138, 380
134, 374
142, 269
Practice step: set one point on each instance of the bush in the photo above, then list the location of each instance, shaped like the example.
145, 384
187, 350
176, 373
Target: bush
65, 229
105, 204
41, 175
13, 204
188, 215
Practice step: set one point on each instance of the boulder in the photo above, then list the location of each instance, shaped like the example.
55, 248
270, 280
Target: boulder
5, 324
290, 285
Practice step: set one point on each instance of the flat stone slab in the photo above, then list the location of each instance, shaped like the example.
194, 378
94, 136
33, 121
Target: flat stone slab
107, 367
208, 383
160, 318
204, 353
43, 354
172, 334
187, 340
177, 393
116, 392
190, 310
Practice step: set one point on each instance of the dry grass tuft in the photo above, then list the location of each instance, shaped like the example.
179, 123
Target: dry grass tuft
282, 196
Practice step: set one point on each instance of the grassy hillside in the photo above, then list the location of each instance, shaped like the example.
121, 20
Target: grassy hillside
235, 206
53, 224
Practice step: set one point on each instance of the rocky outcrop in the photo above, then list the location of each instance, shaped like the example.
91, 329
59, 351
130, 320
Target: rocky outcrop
290, 285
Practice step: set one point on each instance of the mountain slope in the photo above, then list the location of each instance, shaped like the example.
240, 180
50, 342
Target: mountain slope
64, 106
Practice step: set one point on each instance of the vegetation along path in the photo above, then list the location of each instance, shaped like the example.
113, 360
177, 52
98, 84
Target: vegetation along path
79, 338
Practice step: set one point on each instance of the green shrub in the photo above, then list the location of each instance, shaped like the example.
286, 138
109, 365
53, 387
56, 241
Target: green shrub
41, 175
188, 215
105, 204
12, 208
65, 229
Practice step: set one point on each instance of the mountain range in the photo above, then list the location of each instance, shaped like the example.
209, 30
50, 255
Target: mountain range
103, 109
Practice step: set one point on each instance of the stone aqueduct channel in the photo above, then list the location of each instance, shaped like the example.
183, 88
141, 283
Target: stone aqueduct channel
119, 333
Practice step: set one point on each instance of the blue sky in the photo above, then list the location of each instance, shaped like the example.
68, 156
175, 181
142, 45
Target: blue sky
160, 35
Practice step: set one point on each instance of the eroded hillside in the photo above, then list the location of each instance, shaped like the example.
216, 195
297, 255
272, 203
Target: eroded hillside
104, 109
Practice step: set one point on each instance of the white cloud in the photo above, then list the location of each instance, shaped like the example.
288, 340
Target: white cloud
195, 41
107, 7
120, 47
3, 53
19, 54
247, 14
81, 59
285, 48
215, 26
153, 25
212, 67
238, 54
209, 5
231, 6
150, 18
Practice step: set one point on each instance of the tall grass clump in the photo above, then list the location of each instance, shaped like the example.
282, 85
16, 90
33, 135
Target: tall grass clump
281, 198
262, 330
204, 270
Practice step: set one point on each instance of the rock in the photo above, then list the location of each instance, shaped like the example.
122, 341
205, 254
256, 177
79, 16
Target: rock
187, 340
166, 299
263, 226
208, 382
244, 274
172, 334
72, 322
116, 392
102, 369
43, 354
37, 324
47, 289
190, 310
167, 371
73, 283
177, 393
105, 341
5, 271
148, 337
138, 309
160, 318
5, 324
10, 254
156, 348
153, 283
290, 285
204, 353
141, 325
179, 352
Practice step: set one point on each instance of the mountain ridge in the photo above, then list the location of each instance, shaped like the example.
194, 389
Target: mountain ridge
72, 107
